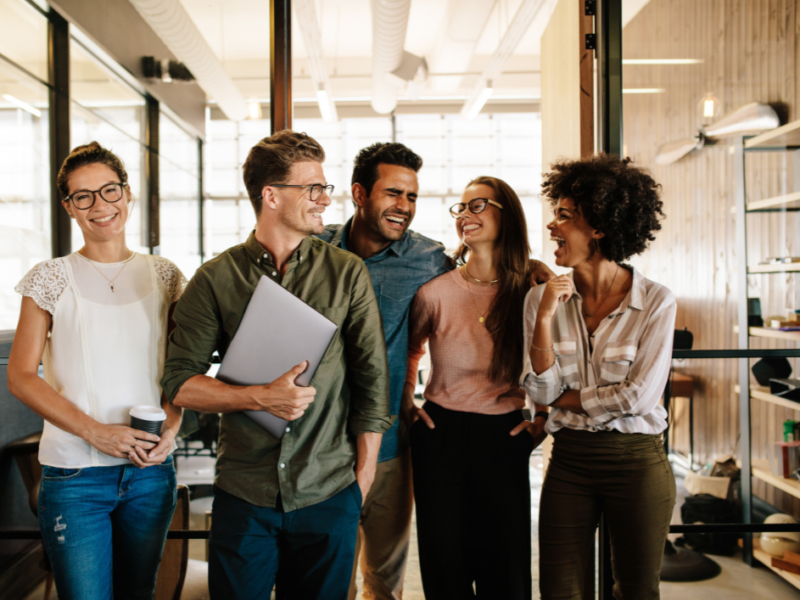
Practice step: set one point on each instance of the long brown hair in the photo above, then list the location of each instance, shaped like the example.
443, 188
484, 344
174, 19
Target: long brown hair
504, 322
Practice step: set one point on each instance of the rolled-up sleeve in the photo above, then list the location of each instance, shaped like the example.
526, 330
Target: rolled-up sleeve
195, 337
544, 388
367, 363
641, 391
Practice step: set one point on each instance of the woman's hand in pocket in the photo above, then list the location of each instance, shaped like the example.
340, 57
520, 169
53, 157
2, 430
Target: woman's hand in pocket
534, 428
410, 412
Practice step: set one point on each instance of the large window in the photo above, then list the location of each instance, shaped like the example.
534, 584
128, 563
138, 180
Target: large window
24, 150
180, 196
454, 151
109, 111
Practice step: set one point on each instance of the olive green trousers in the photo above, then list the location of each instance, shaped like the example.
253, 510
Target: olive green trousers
625, 477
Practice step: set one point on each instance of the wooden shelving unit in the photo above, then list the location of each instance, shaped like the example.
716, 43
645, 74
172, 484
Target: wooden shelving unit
762, 471
783, 268
762, 393
787, 136
775, 334
766, 560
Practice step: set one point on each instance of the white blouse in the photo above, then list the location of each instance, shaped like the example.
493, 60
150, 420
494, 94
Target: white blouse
106, 348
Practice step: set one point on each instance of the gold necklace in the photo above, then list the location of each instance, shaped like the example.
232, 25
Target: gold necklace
476, 279
475, 302
110, 281
590, 315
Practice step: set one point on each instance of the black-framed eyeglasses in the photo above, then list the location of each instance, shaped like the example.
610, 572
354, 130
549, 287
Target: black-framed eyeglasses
315, 189
476, 205
84, 199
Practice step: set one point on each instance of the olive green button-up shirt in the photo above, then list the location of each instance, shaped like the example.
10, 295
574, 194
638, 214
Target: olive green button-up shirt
316, 457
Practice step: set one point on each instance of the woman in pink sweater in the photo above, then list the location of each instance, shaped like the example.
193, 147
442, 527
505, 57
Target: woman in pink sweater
470, 445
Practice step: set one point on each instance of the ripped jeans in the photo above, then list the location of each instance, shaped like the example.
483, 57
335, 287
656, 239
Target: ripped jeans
104, 528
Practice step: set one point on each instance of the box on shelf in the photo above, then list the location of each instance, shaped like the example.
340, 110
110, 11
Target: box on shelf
785, 388
785, 461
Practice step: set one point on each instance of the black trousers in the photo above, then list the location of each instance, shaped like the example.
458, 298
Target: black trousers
473, 497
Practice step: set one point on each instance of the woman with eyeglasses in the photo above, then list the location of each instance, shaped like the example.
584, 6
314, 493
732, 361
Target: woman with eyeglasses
599, 349
98, 321
470, 444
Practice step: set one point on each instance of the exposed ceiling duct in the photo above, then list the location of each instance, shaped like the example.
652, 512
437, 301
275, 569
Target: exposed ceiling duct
516, 30
389, 25
306, 13
456, 41
176, 29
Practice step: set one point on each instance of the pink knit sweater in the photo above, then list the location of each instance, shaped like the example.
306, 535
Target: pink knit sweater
445, 315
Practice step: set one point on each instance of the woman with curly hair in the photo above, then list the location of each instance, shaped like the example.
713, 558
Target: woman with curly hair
599, 347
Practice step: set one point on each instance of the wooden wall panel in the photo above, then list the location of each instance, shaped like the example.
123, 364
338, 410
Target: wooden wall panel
749, 52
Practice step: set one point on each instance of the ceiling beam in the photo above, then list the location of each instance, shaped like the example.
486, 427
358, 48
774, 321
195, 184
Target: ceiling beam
306, 13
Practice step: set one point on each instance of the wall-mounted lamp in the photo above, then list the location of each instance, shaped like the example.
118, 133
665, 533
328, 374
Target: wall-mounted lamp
709, 108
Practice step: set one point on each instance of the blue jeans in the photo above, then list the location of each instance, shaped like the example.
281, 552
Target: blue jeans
104, 528
307, 552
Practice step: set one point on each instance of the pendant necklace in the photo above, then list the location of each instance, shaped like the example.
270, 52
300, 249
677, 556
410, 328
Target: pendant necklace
110, 281
481, 318
476, 279
590, 315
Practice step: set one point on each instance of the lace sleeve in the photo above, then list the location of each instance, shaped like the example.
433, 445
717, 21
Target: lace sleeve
171, 276
45, 283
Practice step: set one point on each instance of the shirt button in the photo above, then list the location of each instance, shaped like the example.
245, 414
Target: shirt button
274, 273
283, 465
265, 255
288, 429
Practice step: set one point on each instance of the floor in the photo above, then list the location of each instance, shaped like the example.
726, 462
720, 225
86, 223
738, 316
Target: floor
736, 582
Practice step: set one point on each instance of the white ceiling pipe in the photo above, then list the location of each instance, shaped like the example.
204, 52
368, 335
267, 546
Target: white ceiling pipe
306, 13
176, 29
456, 41
516, 30
389, 25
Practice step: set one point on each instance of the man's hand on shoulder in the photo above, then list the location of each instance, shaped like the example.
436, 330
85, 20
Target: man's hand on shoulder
540, 273
282, 397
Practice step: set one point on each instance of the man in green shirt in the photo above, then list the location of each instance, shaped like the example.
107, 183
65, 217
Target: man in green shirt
286, 509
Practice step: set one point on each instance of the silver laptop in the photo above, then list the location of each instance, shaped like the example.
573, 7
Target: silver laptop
278, 331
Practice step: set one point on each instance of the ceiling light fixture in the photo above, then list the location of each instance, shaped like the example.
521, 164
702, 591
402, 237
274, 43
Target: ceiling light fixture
643, 91
661, 61
324, 103
254, 111
23, 105
480, 101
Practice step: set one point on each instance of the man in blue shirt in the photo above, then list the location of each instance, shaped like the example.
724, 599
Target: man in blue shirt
385, 189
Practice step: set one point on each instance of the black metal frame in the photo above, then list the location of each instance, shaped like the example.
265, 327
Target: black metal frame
153, 172
59, 112
280, 65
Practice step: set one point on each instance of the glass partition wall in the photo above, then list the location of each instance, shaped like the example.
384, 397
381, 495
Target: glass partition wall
24, 150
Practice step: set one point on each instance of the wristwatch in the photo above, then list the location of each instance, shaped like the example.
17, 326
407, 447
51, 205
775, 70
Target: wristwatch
541, 413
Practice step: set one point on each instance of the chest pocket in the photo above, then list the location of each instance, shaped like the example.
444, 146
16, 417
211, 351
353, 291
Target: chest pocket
615, 364
394, 301
566, 349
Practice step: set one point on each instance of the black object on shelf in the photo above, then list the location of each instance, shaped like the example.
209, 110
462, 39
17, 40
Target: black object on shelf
754, 313
771, 368
683, 339
785, 388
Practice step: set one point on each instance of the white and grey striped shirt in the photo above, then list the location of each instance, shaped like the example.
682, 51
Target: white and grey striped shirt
622, 374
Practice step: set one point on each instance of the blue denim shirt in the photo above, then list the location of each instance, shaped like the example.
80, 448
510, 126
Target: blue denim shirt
397, 273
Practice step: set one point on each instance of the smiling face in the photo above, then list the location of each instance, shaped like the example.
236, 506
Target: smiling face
485, 226
294, 207
390, 207
572, 233
104, 221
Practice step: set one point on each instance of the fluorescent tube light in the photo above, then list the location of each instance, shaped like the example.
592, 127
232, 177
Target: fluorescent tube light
23, 105
254, 111
324, 103
661, 61
480, 101
643, 91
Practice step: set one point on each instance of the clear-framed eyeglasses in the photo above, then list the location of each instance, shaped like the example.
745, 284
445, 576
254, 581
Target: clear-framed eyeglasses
84, 199
315, 190
476, 205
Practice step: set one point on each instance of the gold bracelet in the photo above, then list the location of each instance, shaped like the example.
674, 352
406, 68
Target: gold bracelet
542, 349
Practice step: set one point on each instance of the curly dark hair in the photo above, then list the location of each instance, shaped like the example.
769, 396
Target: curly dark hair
365, 166
616, 198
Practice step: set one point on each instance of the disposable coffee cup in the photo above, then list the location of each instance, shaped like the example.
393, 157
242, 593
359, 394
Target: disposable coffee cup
147, 418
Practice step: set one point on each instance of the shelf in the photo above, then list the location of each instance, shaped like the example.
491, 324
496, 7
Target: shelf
766, 332
766, 560
787, 136
787, 201
767, 397
762, 471
780, 268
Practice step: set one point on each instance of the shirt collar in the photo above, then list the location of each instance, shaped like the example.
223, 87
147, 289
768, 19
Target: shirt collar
397, 248
260, 255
